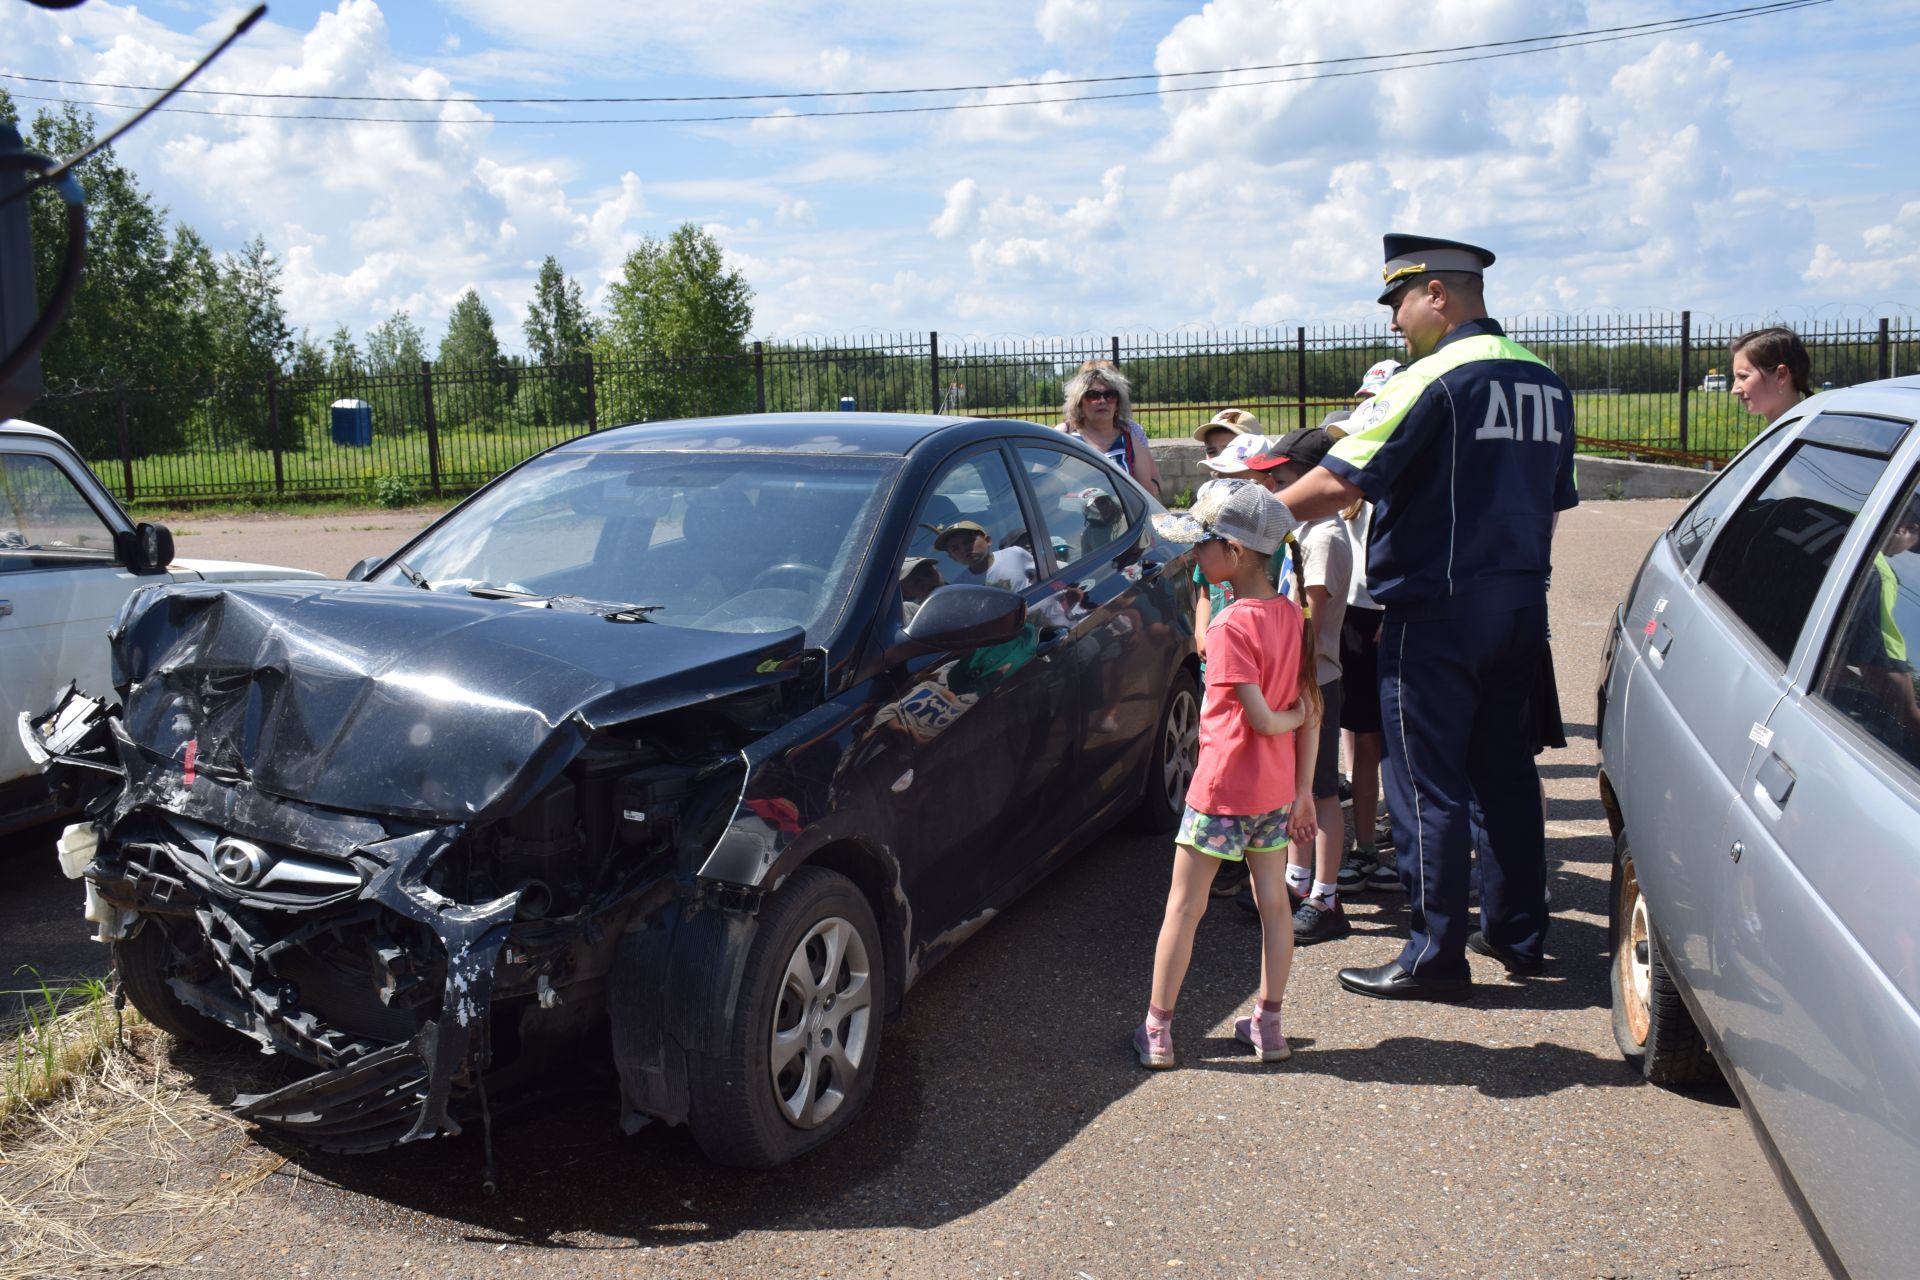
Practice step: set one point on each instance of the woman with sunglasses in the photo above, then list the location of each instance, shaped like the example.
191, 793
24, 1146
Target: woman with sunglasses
1099, 410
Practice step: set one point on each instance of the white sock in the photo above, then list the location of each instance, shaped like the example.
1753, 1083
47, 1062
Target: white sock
1327, 893
1298, 878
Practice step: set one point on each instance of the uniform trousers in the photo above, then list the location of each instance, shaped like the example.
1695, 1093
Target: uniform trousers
1459, 777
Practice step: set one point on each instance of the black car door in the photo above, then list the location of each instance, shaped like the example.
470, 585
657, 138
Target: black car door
1121, 619
975, 746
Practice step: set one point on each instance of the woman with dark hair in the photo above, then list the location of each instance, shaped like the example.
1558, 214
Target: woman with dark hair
1099, 409
1770, 371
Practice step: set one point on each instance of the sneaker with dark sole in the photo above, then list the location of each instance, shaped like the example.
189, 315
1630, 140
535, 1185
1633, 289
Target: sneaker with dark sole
1385, 878
1354, 870
1317, 921
1154, 1048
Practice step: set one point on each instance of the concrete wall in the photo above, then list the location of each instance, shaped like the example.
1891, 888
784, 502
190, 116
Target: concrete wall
1599, 478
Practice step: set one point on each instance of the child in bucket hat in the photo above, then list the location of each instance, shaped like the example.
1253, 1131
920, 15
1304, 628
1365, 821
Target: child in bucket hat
1251, 791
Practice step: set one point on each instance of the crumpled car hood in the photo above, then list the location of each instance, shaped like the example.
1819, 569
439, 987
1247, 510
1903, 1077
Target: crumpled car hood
400, 701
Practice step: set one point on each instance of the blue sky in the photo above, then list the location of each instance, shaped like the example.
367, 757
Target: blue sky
1747, 169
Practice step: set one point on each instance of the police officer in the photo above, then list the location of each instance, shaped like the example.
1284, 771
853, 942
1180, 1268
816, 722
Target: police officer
1467, 456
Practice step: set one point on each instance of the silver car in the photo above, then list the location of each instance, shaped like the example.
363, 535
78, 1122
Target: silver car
1761, 772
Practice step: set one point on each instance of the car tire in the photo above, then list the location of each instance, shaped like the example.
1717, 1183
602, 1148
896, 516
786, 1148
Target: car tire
815, 967
1651, 1023
144, 962
1176, 753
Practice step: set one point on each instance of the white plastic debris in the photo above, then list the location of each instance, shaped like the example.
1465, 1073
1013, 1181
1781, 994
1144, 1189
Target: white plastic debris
77, 845
544, 989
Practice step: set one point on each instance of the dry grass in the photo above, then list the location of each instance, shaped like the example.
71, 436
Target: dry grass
124, 1167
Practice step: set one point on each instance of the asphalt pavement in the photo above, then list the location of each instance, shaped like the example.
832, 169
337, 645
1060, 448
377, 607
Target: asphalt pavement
1012, 1134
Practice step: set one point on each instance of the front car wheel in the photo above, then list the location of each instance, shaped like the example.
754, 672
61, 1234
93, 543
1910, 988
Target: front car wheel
804, 1045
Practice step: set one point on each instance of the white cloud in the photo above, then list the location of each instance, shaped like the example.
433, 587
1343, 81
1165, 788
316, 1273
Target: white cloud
1064, 21
1886, 265
961, 211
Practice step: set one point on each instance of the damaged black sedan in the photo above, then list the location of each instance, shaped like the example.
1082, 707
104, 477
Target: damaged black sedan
698, 740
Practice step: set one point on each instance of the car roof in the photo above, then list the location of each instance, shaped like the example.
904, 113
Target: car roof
16, 425
1889, 395
886, 434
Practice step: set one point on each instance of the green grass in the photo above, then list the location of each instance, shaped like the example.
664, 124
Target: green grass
61, 1031
325, 477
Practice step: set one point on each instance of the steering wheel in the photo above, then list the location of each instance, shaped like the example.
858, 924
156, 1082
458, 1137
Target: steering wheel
793, 575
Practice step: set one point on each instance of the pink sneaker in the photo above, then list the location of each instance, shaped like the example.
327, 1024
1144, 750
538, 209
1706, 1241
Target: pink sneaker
1155, 1047
1264, 1036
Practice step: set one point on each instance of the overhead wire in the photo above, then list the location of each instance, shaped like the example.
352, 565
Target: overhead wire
1656, 27
1482, 53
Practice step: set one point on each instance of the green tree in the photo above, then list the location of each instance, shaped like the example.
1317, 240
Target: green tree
395, 345
252, 341
309, 357
559, 331
343, 357
470, 342
137, 316
470, 387
395, 349
681, 317
558, 326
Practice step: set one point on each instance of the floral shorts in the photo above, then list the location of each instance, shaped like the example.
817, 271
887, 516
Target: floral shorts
1231, 836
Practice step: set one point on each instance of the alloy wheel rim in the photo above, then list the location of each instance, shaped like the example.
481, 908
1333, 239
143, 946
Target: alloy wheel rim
821, 1019
1181, 749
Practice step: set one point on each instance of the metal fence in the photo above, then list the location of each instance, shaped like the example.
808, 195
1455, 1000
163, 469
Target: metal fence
1638, 381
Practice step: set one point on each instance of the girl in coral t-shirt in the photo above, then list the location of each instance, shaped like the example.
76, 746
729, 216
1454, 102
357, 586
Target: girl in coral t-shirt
1252, 791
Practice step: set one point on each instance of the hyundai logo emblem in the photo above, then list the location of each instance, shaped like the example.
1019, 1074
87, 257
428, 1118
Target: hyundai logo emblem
239, 863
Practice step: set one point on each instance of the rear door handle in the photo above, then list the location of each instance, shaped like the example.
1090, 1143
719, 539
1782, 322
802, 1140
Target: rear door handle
1050, 637
6, 608
1659, 636
1776, 779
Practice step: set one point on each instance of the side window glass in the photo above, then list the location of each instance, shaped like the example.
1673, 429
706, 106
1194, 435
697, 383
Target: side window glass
968, 529
1774, 553
1697, 523
1869, 675
45, 521
1079, 503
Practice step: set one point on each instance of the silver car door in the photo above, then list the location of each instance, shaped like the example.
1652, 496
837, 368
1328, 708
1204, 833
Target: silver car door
1819, 955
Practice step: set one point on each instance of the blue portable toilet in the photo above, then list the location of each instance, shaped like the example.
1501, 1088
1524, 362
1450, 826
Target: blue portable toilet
846, 404
352, 423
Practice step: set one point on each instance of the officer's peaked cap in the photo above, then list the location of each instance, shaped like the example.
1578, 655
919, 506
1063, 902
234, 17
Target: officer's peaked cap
1409, 256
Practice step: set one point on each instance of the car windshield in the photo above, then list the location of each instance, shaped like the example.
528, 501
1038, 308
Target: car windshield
717, 541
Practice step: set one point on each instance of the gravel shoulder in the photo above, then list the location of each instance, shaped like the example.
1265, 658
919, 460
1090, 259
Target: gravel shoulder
1011, 1132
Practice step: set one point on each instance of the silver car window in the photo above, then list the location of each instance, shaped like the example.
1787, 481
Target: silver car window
1770, 560
1697, 523
1869, 673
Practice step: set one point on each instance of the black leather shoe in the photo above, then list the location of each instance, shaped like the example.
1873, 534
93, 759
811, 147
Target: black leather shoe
1515, 963
1391, 982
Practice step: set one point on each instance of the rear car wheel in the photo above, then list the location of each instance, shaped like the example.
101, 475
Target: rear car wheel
1176, 753
1651, 1023
145, 962
804, 1045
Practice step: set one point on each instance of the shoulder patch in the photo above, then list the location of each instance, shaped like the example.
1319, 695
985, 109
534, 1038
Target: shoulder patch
1372, 413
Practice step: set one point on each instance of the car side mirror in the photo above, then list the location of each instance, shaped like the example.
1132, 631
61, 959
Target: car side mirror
145, 548
360, 571
962, 616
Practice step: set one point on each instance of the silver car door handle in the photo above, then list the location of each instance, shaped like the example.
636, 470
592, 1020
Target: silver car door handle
1775, 778
6, 608
1659, 637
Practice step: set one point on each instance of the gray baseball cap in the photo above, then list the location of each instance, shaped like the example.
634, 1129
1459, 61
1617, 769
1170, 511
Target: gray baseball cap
1238, 510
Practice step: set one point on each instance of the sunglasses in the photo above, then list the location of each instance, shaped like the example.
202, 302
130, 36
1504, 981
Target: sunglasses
1102, 394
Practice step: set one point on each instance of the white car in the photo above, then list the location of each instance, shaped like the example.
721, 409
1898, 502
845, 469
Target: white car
69, 558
